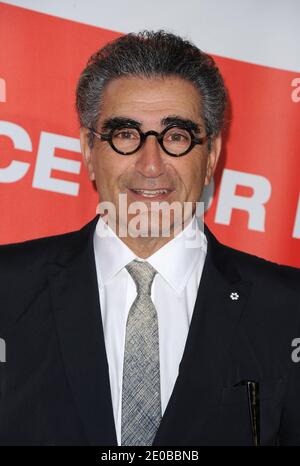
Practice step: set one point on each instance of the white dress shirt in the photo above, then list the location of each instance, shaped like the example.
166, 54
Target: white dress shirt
179, 264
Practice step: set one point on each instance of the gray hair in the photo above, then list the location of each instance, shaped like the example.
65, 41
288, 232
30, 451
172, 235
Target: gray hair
152, 54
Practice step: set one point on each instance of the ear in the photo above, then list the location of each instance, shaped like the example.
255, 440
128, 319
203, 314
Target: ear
212, 158
87, 152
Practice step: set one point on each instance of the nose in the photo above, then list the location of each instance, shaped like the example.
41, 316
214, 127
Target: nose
149, 162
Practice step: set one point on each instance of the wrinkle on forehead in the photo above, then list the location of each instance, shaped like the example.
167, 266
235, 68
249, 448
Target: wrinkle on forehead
151, 100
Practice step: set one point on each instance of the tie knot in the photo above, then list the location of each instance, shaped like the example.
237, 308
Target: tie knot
142, 274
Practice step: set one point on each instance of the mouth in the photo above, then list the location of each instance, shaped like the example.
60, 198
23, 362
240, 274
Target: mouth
155, 194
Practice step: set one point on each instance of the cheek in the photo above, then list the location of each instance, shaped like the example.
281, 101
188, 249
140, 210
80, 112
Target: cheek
193, 172
111, 171
105, 167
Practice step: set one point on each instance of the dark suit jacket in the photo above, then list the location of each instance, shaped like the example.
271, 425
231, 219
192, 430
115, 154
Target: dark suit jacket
54, 385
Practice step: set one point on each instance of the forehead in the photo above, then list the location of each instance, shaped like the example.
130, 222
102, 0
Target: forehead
150, 99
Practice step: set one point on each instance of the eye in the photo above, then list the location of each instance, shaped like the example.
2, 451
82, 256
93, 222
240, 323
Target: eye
126, 134
177, 135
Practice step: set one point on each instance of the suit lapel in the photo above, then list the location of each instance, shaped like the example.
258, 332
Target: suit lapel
75, 300
203, 368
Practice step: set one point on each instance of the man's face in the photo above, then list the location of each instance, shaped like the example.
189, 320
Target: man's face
150, 103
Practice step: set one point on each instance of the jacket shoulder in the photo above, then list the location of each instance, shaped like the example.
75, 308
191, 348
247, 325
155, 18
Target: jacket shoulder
31, 251
41, 250
258, 268
24, 269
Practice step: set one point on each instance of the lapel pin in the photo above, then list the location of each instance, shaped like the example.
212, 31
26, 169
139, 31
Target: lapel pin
234, 296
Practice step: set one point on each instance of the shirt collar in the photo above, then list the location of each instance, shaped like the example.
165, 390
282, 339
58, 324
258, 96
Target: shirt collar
175, 261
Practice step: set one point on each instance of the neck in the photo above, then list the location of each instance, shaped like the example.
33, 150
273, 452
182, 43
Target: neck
145, 247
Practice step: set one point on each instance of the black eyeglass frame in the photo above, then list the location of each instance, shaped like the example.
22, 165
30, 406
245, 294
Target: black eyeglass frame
159, 136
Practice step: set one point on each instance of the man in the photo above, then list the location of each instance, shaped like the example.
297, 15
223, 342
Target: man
142, 338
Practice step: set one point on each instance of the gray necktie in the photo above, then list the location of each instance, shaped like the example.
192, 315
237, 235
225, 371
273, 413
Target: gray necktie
141, 405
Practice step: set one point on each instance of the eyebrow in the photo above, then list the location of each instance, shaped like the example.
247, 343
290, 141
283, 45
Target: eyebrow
117, 122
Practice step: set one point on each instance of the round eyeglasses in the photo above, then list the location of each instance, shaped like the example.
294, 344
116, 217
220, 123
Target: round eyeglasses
174, 140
